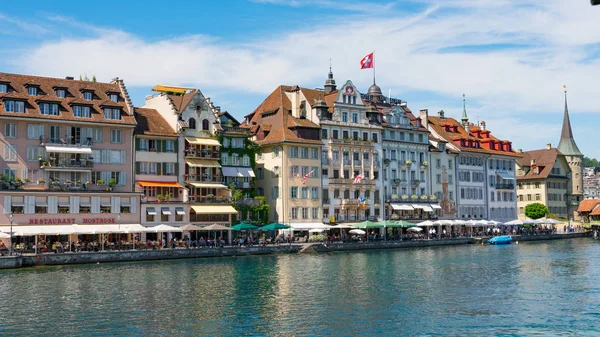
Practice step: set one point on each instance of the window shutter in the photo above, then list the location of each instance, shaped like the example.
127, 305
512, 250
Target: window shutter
52, 204
164, 145
74, 203
40, 131
176, 146
133, 203
115, 205
164, 168
158, 169
137, 144
123, 178
7, 204
123, 154
95, 205
137, 167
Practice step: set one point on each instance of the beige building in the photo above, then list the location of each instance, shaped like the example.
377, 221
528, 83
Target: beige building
288, 164
543, 177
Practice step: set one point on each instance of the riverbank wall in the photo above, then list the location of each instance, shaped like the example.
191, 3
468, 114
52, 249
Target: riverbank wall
335, 247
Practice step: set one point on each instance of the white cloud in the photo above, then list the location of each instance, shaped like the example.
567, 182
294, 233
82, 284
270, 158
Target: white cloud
430, 51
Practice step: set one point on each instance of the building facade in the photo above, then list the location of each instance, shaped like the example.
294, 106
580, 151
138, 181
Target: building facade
442, 174
67, 151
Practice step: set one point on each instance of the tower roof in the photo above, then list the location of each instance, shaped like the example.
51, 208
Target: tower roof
567, 145
464, 117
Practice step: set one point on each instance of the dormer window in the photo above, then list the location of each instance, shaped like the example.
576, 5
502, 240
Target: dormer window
87, 95
32, 91
3, 88
49, 109
114, 97
82, 111
61, 93
14, 106
112, 113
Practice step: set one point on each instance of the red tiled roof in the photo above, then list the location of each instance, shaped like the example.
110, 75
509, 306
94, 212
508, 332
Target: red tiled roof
74, 96
544, 159
596, 211
586, 206
180, 102
474, 134
271, 120
151, 123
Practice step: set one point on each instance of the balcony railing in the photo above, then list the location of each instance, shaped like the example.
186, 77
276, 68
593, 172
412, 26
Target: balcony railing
415, 182
347, 162
326, 201
205, 199
202, 178
67, 163
505, 186
325, 161
70, 141
202, 154
350, 181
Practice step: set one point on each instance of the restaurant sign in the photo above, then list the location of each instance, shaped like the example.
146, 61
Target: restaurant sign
59, 221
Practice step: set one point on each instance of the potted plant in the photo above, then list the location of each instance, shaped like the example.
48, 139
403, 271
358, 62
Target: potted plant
41, 181
404, 196
414, 197
432, 197
100, 182
408, 162
424, 197
27, 180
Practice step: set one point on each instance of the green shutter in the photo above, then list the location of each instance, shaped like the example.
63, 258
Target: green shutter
137, 144
163, 148
164, 168
176, 145
137, 167
159, 169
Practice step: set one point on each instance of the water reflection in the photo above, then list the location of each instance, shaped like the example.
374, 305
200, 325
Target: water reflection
526, 289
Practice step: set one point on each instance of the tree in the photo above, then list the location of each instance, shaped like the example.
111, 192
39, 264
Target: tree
536, 210
590, 162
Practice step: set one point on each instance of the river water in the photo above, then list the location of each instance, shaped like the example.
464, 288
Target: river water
528, 289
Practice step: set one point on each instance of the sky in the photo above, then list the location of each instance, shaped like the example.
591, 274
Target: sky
510, 58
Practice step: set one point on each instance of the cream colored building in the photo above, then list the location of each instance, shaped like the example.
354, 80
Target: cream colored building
543, 177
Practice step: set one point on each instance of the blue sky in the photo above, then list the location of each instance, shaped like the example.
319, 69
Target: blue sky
510, 58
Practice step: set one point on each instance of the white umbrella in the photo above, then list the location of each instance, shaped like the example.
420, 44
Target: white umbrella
494, 222
415, 229
426, 223
539, 221
357, 231
552, 221
316, 230
165, 228
516, 222
344, 226
4, 236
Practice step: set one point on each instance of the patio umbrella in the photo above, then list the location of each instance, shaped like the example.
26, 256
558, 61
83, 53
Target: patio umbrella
317, 230
494, 222
357, 231
404, 224
516, 222
426, 223
191, 227
4, 235
415, 229
275, 226
215, 227
552, 221
368, 224
243, 227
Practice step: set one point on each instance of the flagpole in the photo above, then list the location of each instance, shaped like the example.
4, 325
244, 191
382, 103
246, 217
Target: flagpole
373, 66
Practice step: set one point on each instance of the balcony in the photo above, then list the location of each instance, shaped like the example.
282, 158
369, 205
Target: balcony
209, 199
396, 181
326, 201
66, 141
415, 182
202, 178
67, 163
350, 141
350, 181
202, 154
505, 186
346, 162
395, 198
239, 185
325, 161
357, 163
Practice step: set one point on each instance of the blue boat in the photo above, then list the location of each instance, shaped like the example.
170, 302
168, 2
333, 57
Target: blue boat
500, 240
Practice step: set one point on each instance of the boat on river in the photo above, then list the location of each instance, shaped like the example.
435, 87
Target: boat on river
500, 240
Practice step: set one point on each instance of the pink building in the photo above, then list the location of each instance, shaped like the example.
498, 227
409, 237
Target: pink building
67, 149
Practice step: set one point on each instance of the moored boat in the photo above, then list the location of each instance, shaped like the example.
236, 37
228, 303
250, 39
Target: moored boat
500, 240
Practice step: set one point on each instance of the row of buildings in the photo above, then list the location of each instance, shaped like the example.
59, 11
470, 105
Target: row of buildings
80, 152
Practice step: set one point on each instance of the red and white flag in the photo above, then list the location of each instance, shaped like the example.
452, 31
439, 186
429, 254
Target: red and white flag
306, 177
367, 61
359, 178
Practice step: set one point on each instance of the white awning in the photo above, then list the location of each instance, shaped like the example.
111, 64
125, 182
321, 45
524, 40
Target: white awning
505, 176
435, 206
417, 206
150, 211
401, 207
245, 172
68, 149
202, 141
193, 162
306, 226
179, 211
229, 171
165, 211
208, 185
427, 208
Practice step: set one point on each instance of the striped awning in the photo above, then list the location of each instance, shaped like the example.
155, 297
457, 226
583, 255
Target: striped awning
214, 209
202, 141
192, 162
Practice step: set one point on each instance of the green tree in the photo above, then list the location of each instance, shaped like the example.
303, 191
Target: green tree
590, 162
536, 210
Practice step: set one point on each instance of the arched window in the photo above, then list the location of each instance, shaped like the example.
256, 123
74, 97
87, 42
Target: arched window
205, 124
192, 123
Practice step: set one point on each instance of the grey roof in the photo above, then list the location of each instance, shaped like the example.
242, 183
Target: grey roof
567, 145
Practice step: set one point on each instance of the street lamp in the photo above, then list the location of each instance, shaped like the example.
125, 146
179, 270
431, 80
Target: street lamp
11, 217
119, 221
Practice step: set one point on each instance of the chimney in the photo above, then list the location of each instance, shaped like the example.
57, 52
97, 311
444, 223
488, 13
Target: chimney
424, 114
548, 146
467, 127
441, 114
520, 151
69, 78
532, 162
483, 125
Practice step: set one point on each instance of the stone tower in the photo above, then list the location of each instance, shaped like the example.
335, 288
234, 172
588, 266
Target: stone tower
568, 148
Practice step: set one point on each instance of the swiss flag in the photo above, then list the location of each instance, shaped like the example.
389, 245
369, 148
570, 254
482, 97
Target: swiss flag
367, 61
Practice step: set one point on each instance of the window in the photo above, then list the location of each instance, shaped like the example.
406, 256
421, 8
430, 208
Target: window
275, 192
314, 193
304, 212
259, 173
82, 111
304, 192
10, 152
143, 144
224, 159
323, 133
115, 136
336, 134
304, 152
245, 160
374, 137
293, 152
34, 153
169, 169
3, 88
275, 171
14, 106
49, 109
60, 93
235, 159
192, 123
314, 153
315, 212
88, 96
294, 213
32, 91
114, 97
164, 214
112, 113
10, 130
294, 192
205, 124
355, 118
169, 146
344, 116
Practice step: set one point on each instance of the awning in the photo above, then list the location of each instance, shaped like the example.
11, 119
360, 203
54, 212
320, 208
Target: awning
192, 162
165, 211
150, 211
435, 206
207, 185
306, 226
229, 171
417, 206
179, 211
427, 208
68, 149
170, 88
245, 171
144, 183
505, 176
401, 207
214, 209
202, 141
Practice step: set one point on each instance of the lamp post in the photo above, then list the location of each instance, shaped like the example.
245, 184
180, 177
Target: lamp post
11, 217
119, 221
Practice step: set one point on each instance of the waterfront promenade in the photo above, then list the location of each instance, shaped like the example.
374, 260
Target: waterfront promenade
31, 260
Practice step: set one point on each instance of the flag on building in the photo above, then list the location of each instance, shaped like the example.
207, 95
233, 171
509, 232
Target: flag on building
306, 177
359, 178
362, 201
367, 61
